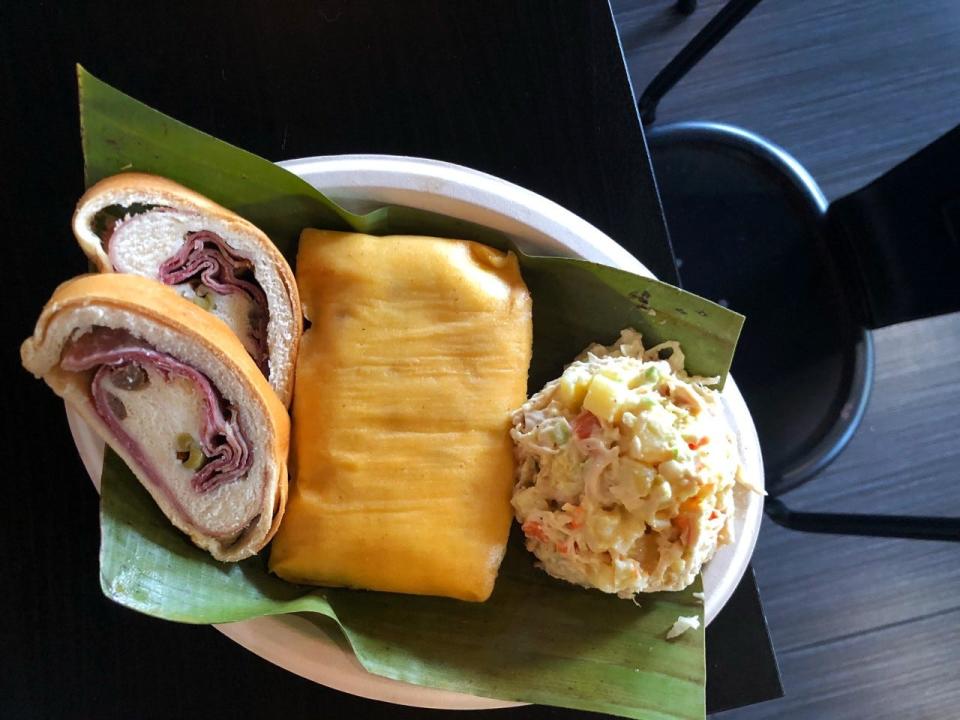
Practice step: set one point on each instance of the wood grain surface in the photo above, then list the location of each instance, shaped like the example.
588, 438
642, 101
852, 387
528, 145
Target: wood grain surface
864, 628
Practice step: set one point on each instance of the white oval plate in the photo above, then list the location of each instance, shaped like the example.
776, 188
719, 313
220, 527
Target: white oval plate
360, 182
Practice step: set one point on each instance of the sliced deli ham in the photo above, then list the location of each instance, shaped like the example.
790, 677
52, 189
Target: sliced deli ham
113, 351
171, 246
206, 257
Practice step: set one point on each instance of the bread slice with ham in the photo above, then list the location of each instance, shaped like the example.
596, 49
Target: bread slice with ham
151, 226
174, 392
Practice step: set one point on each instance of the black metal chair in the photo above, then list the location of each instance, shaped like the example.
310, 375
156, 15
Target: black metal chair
751, 228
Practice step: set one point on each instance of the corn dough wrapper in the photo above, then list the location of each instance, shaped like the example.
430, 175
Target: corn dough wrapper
625, 470
417, 354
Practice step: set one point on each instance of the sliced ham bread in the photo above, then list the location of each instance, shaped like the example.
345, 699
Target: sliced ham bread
151, 226
173, 391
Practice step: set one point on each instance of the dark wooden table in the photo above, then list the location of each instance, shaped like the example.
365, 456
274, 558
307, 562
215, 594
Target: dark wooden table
534, 92
863, 628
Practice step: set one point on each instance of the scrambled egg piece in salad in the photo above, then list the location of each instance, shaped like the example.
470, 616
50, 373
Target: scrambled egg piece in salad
625, 470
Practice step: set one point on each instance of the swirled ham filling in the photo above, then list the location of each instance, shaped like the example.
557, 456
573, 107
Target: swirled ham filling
173, 247
148, 399
205, 256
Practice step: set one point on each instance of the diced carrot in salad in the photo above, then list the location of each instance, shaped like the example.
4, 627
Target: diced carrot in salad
585, 424
534, 529
578, 513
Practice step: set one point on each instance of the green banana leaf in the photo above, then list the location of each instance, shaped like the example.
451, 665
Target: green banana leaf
122, 134
536, 639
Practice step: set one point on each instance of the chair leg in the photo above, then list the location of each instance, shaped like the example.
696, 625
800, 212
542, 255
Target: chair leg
686, 7
894, 526
704, 41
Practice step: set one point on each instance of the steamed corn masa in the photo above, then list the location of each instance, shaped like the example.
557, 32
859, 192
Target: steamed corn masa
418, 352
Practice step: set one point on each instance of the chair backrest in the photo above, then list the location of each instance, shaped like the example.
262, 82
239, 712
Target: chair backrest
900, 236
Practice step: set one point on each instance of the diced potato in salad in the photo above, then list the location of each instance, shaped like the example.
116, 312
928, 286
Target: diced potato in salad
625, 470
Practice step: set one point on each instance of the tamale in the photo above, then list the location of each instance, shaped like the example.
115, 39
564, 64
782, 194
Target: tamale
402, 465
